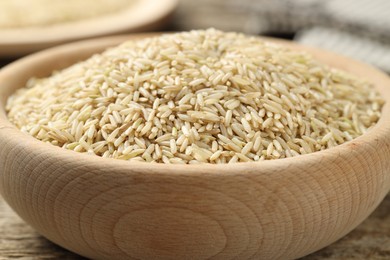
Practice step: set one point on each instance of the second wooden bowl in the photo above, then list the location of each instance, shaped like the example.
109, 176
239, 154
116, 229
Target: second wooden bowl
112, 209
142, 15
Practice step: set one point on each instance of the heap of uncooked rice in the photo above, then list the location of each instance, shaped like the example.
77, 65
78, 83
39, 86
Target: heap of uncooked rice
199, 96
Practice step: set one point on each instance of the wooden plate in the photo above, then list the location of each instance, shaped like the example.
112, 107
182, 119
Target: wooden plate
142, 15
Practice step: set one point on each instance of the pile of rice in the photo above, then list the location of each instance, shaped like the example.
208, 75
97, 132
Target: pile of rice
27, 13
196, 97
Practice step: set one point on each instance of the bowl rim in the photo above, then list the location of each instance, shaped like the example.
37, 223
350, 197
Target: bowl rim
26, 142
142, 14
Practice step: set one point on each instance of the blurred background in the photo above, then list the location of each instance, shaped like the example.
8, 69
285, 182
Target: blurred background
356, 28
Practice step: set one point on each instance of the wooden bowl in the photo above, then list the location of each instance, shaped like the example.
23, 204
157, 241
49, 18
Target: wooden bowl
143, 15
113, 209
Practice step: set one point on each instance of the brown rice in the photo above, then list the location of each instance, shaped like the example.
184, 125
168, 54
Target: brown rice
196, 97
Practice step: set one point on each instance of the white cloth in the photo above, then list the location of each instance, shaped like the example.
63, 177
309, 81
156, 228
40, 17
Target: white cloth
348, 44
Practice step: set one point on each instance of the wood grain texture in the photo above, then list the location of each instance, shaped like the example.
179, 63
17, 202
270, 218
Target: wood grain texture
20, 241
370, 240
112, 209
145, 15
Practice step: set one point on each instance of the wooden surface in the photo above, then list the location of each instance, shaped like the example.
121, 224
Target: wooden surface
104, 208
19, 241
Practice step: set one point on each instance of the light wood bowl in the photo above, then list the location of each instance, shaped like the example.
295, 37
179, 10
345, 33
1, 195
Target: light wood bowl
143, 15
113, 209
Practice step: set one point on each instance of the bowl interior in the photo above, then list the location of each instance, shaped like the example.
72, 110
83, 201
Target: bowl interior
44, 63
